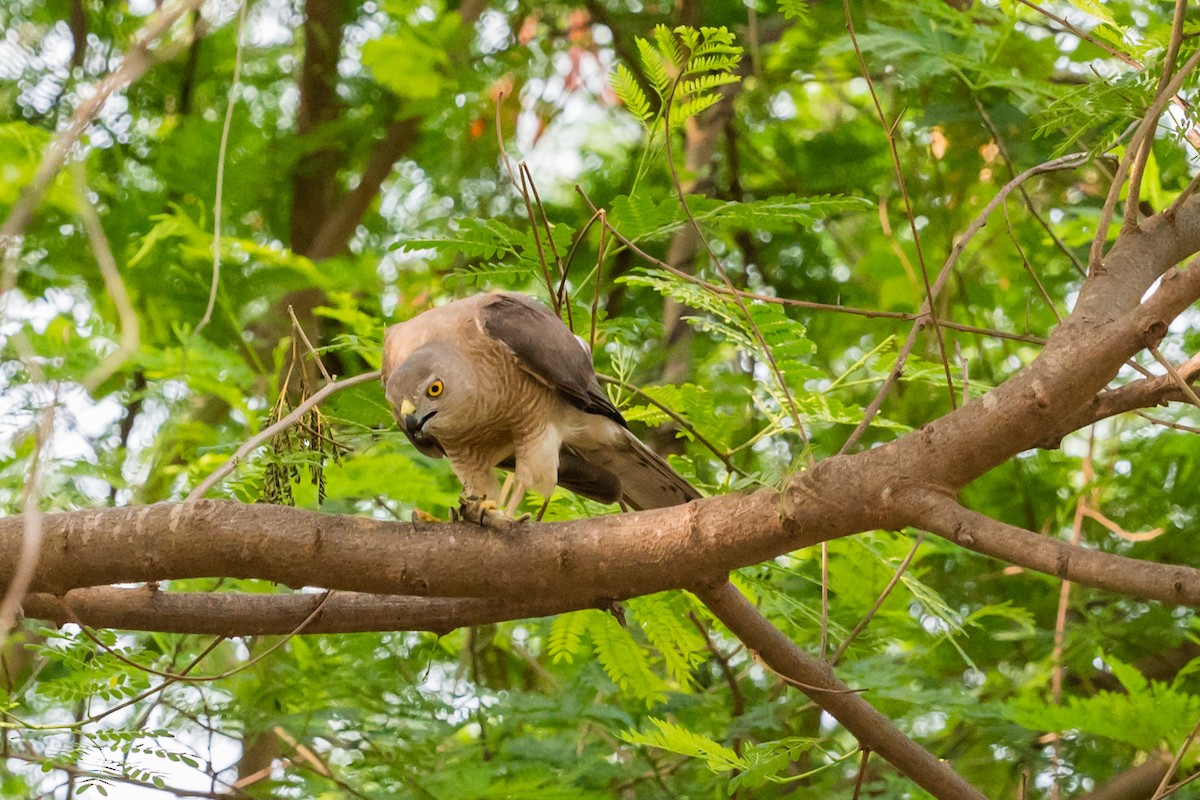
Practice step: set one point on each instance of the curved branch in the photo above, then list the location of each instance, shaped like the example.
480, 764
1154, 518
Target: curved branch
232, 614
283, 424
873, 730
1168, 583
1145, 393
587, 561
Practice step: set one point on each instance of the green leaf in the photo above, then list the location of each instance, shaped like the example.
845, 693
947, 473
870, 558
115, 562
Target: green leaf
677, 739
623, 659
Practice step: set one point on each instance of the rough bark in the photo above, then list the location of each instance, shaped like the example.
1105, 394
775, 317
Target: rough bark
815, 678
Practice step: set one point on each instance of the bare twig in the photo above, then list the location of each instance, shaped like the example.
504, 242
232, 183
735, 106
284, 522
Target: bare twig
1179, 380
202, 678
901, 316
678, 420
135, 64
137, 698
266, 434
716, 261
221, 150
312, 351
1161, 791
862, 772
889, 131
127, 318
31, 543
1144, 133
1063, 162
879, 601
1134, 196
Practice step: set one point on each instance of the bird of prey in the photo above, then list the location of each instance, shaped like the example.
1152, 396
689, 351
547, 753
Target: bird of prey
497, 380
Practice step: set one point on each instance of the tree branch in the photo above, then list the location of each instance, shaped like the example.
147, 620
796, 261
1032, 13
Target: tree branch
817, 680
1168, 583
237, 614
578, 563
1135, 783
340, 223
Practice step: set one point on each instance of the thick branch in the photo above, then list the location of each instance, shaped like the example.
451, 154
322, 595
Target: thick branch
1167, 583
1145, 393
1083, 355
579, 563
314, 183
817, 680
1135, 783
236, 614
339, 225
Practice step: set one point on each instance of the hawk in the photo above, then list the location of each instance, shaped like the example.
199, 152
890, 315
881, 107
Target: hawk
497, 380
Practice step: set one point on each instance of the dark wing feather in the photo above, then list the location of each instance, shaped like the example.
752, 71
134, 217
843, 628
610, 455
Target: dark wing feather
547, 350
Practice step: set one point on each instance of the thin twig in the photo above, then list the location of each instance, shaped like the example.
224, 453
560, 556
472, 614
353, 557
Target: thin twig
129, 338
175, 676
1176, 377
519, 184
221, 150
136, 62
879, 601
678, 420
1145, 131
901, 316
1134, 196
600, 255
31, 540
889, 131
1069, 161
312, 351
735, 691
862, 772
1012, 234
716, 261
283, 424
120, 706
1029, 206
1161, 791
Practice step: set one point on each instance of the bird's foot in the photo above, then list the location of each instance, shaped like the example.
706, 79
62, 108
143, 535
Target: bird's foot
484, 512
419, 515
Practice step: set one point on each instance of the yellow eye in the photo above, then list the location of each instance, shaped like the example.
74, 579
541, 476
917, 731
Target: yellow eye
435, 389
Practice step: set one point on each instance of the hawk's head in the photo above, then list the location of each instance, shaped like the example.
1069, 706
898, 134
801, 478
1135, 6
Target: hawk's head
430, 395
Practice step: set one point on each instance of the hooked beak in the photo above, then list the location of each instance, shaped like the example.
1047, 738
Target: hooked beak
413, 424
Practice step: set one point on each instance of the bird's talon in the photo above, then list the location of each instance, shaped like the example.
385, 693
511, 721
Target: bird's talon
419, 515
483, 512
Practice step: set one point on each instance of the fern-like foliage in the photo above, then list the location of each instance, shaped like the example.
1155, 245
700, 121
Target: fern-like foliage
1147, 714
642, 219
758, 764
1095, 112
476, 238
566, 636
794, 9
624, 660
684, 67
678, 739
664, 620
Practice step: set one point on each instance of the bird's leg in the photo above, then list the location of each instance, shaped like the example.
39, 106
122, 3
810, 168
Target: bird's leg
514, 499
506, 489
